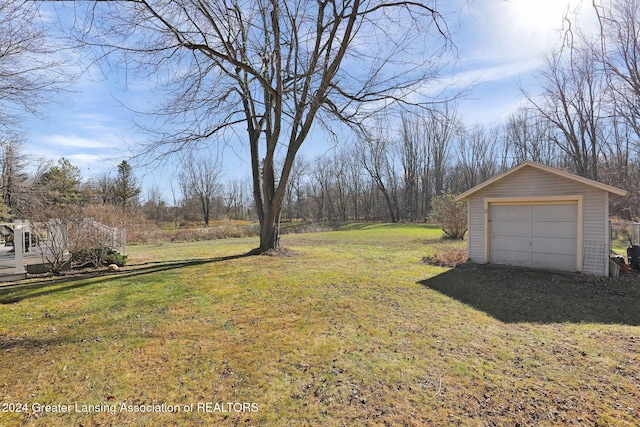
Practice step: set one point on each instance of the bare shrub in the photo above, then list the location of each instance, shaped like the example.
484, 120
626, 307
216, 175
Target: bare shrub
182, 236
451, 215
112, 216
91, 242
53, 243
109, 215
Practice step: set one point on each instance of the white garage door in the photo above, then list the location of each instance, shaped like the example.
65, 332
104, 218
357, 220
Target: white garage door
538, 235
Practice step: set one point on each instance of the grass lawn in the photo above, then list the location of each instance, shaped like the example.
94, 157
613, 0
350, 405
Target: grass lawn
350, 328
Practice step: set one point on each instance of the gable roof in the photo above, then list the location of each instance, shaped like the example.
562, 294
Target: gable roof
616, 192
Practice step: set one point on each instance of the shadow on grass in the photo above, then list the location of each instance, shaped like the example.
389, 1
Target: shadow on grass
514, 295
7, 343
16, 292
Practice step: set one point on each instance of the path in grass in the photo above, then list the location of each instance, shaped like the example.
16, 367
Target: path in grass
346, 331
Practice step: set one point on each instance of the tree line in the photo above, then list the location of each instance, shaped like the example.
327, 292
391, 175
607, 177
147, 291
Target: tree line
395, 177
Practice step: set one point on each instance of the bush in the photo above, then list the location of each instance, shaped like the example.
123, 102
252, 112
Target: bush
97, 257
451, 215
83, 257
113, 257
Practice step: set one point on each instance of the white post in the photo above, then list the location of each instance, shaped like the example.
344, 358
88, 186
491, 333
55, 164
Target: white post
607, 237
18, 246
123, 235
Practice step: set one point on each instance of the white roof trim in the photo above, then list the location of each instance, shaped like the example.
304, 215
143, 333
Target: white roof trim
528, 163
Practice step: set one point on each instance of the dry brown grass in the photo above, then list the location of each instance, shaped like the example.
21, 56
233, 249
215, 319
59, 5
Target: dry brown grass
151, 234
448, 257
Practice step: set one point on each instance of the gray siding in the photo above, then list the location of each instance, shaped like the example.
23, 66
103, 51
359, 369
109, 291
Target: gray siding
531, 182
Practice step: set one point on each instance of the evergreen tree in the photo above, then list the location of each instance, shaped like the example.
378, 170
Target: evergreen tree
59, 190
125, 187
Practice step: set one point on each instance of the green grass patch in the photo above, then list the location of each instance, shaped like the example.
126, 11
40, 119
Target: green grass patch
349, 328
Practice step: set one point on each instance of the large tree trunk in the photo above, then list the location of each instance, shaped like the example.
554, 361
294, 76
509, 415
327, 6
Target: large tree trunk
387, 198
268, 196
270, 230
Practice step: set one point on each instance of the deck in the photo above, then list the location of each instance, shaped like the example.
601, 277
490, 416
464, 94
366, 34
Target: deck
32, 262
27, 256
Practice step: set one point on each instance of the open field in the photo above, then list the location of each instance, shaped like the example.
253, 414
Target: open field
346, 328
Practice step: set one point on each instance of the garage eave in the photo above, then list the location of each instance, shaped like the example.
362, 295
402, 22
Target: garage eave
613, 192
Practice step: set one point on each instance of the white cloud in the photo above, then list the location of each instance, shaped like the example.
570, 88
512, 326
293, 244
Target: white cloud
93, 163
88, 163
96, 118
74, 141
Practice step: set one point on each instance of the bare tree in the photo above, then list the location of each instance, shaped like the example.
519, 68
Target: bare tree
105, 185
477, 157
376, 157
340, 190
620, 168
156, 207
293, 199
355, 179
14, 177
425, 142
619, 50
31, 71
200, 178
526, 135
273, 68
321, 182
572, 101
620, 56
238, 199
412, 149
443, 127
611, 62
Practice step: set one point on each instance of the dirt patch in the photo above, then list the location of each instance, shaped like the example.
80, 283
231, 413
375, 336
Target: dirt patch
518, 294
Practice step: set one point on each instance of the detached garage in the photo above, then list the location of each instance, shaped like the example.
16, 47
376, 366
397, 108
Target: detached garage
538, 216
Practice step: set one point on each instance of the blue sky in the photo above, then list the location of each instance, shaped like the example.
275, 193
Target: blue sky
499, 45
